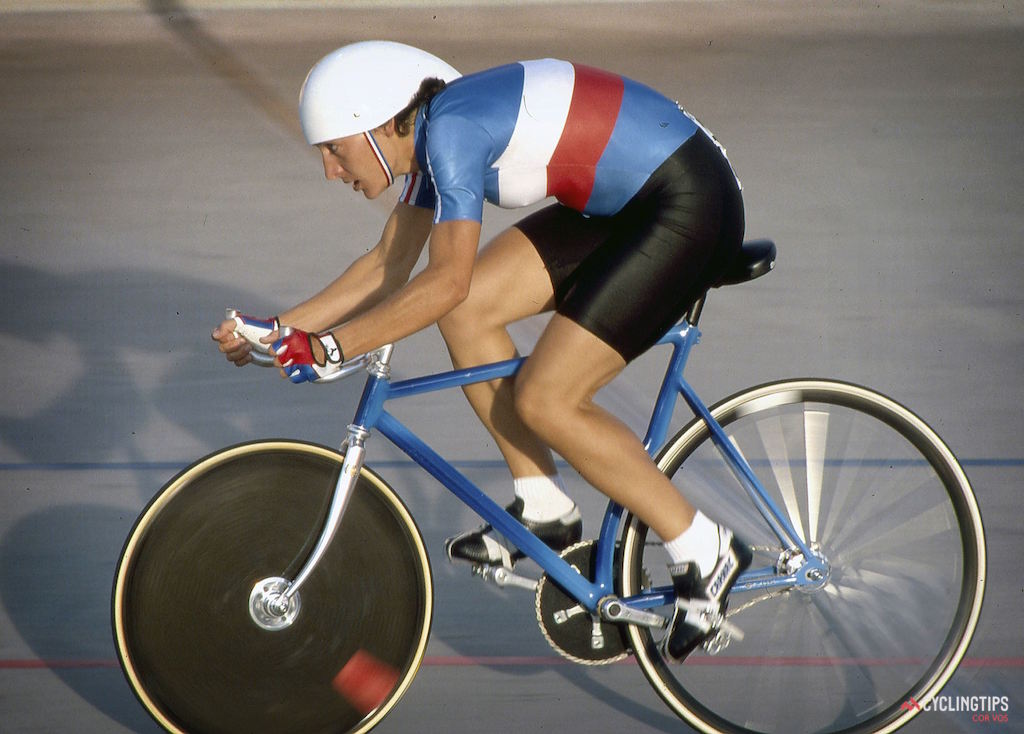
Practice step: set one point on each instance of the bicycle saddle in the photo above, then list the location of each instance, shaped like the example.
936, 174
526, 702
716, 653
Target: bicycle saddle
754, 259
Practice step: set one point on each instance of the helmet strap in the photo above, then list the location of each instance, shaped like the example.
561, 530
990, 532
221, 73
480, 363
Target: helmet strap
380, 157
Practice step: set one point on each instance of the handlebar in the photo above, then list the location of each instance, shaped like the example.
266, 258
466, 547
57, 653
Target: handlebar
263, 356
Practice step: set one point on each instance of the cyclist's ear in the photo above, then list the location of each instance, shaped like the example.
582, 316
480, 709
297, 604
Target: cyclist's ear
388, 129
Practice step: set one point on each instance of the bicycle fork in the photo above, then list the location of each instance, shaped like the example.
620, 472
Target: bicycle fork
274, 602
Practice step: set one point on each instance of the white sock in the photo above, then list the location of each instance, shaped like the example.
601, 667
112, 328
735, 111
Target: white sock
698, 543
544, 498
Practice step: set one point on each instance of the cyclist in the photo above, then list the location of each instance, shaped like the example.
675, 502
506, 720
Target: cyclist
648, 214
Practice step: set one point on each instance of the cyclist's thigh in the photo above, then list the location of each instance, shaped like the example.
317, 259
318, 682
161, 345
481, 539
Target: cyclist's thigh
569, 363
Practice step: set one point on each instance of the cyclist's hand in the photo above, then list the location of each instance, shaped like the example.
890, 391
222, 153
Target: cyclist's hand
307, 357
237, 337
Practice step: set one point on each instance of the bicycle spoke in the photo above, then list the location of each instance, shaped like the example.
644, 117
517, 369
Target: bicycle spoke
867, 488
773, 439
815, 441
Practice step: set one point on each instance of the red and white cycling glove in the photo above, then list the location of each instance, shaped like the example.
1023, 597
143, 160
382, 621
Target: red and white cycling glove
296, 354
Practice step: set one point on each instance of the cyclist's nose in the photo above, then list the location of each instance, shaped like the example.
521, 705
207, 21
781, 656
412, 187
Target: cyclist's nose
333, 169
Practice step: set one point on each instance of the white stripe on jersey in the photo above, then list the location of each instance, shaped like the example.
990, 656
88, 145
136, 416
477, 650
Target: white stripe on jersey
411, 188
543, 109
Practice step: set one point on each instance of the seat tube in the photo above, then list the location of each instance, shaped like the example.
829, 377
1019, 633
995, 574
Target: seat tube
682, 338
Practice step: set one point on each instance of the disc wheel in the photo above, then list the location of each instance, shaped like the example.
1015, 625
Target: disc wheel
200, 662
872, 489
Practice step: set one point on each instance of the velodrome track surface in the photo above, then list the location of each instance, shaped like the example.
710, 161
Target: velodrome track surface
153, 173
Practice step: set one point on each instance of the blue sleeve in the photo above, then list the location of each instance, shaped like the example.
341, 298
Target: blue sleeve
458, 152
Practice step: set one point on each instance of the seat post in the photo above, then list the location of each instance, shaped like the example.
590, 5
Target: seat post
693, 314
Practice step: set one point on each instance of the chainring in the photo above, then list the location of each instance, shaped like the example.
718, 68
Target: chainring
569, 628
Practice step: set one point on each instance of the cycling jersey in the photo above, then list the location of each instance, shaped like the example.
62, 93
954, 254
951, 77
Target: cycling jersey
518, 133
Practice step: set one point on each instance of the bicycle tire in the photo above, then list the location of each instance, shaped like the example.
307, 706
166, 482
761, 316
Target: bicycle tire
185, 639
845, 658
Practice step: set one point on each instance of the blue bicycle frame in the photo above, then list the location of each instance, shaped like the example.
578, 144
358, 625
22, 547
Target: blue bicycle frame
371, 415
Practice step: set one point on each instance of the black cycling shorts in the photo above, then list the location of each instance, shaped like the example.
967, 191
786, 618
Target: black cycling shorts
629, 277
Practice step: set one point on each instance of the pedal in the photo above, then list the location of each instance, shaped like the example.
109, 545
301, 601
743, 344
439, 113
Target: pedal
502, 576
714, 644
725, 633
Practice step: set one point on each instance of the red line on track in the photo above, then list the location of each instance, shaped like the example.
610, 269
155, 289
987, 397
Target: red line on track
466, 661
34, 664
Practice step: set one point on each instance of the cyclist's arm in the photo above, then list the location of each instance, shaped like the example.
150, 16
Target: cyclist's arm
430, 294
372, 277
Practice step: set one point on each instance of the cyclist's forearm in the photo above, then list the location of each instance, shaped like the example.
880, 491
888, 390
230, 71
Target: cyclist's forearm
428, 296
364, 284
421, 303
371, 278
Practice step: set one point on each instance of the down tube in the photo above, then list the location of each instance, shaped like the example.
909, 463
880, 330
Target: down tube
557, 569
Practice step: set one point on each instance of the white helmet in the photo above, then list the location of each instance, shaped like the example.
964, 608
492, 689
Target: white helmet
363, 85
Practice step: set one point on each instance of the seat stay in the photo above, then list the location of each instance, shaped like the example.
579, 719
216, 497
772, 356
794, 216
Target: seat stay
744, 473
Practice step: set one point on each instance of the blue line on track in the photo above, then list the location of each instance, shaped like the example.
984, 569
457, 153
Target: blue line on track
393, 464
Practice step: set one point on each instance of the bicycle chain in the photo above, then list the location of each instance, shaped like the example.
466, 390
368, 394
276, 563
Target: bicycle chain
567, 627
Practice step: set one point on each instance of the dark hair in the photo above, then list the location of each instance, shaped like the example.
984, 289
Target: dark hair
428, 88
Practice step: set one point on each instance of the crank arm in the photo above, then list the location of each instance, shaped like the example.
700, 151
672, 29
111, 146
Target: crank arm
613, 610
501, 576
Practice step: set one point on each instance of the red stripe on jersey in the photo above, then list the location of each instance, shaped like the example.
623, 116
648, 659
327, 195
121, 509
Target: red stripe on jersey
596, 99
410, 188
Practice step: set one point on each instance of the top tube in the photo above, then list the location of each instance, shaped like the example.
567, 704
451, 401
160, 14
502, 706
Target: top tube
455, 378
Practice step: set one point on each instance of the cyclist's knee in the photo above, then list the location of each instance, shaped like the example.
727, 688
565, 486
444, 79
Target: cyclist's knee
462, 322
536, 404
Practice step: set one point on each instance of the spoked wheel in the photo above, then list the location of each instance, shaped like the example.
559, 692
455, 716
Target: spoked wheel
195, 653
878, 495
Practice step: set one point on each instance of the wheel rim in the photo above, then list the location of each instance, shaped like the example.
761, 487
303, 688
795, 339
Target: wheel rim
187, 644
807, 697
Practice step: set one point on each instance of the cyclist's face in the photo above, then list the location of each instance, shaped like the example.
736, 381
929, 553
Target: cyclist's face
352, 160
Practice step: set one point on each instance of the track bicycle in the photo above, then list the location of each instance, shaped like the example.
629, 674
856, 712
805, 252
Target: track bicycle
256, 577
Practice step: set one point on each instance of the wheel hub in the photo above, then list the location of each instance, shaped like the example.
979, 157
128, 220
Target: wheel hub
812, 572
269, 608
